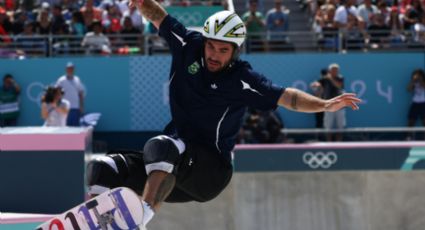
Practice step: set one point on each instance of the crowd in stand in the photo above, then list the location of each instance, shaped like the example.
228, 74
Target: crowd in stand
25, 24
369, 24
97, 26
267, 33
110, 26
346, 24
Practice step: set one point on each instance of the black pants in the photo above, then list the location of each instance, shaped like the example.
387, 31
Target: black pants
201, 174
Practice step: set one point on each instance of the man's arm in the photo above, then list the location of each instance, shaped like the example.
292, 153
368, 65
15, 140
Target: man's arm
151, 10
16, 86
300, 101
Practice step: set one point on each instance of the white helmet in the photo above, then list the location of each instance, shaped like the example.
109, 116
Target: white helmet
225, 26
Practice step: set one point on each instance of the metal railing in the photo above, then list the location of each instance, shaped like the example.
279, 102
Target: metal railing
358, 134
122, 44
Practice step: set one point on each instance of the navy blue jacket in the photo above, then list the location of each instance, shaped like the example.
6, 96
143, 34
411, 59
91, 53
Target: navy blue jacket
208, 108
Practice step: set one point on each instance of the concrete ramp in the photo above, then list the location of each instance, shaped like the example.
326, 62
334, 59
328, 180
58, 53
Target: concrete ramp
360, 200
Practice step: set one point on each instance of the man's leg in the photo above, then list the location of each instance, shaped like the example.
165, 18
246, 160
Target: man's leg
73, 118
327, 124
340, 121
160, 155
412, 117
115, 169
158, 186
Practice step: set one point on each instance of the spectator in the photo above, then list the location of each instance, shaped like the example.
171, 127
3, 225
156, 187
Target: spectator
332, 85
367, 11
45, 6
9, 101
355, 33
419, 31
9, 5
58, 21
5, 27
90, 14
417, 108
43, 25
77, 26
74, 93
379, 32
255, 25
277, 20
122, 5
135, 16
5, 21
132, 37
96, 41
111, 19
349, 22
343, 12
54, 109
384, 9
20, 17
396, 27
326, 27
413, 13
30, 43
262, 127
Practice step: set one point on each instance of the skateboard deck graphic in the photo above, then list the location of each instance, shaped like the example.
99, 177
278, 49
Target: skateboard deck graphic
119, 208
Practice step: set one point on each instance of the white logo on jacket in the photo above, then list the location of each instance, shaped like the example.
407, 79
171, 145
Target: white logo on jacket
247, 86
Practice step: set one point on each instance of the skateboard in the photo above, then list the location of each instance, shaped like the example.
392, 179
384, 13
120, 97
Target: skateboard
119, 208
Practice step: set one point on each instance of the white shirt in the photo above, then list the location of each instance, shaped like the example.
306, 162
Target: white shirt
136, 18
72, 88
341, 15
95, 40
418, 93
54, 118
419, 32
123, 6
365, 12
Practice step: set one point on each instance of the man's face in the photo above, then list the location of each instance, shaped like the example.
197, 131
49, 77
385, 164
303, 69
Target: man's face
7, 82
278, 5
70, 71
253, 6
334, 71
218, 54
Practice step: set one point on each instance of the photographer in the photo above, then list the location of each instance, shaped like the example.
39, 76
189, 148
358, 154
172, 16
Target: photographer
54, 109
417, 109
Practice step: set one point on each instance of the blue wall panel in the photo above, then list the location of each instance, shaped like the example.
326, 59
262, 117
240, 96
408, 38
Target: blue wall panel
131, 92
379, 79
106, 81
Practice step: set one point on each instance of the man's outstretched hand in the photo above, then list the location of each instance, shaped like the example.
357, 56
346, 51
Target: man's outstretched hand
341, 101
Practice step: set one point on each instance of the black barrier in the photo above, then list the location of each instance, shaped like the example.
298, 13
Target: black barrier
41, 181
329, 158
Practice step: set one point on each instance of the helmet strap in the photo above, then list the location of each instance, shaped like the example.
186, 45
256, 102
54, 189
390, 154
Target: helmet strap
236, 53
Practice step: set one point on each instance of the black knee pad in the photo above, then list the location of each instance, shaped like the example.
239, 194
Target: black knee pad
161, 153
106, 172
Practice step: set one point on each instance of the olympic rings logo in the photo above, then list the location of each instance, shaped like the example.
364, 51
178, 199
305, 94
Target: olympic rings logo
190, 18
320, 159
35, 91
